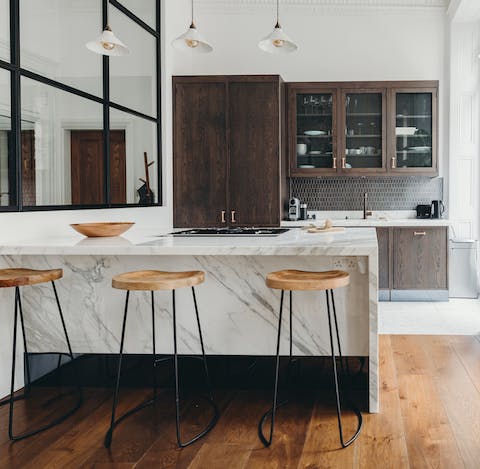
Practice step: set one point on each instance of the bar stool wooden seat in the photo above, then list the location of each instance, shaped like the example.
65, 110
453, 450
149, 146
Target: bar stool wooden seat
293, 280
154, 280
21, 277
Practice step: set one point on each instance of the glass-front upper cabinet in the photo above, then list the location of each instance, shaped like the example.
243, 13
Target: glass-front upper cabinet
414, 143
364, 127
313, 123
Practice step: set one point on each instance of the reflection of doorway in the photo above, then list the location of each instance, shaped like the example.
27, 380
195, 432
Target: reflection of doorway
28, 167
87, 167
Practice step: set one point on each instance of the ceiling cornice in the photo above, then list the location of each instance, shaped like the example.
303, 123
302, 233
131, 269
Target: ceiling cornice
225, 6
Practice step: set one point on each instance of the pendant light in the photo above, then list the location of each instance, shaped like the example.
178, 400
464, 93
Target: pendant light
107, 43
192, 40
277, 42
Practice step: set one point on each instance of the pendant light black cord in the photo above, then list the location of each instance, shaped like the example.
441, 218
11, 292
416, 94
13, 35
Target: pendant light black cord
278, 23
192, 25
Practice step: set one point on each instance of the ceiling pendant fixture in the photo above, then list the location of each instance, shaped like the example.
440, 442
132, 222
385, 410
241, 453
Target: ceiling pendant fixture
192, 40
107, 43
277, 42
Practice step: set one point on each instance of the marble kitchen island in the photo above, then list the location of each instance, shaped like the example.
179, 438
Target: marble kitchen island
238, 312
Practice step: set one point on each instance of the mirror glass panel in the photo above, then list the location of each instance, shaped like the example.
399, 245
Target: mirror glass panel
5, 30
133, 142
413, 130
132, 77
53, 37
7, 177
62, 147
144, 9
315, 131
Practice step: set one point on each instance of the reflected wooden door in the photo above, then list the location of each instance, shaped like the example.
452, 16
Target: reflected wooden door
28, 168
88, 171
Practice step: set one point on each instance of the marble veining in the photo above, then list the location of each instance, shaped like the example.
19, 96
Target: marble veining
239, 314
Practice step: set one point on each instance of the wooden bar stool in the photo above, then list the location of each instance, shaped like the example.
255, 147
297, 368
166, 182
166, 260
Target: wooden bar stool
24, 277
152, 280
290, 280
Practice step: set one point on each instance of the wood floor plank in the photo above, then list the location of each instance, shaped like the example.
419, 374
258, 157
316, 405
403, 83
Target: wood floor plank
468, 351
382, 441
322, 445
291, 427
430, 439
459, 395
75, 447
19, 454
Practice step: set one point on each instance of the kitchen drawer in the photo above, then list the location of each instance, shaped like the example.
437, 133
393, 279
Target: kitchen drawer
420, 258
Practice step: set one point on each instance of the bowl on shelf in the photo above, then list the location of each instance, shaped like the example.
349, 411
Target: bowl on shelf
102, 229
315, 133
353, 151
305, 166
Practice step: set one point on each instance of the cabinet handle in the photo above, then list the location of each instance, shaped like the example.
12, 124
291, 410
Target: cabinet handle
419, 233
334, 163
223, 216
344, 160
394, 162
232, 214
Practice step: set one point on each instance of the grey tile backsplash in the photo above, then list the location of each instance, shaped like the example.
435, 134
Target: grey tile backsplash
384, 193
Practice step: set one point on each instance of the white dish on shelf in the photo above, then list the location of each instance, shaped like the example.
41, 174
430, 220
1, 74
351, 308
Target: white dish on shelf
306, 166
423, 149
315, 152
405, 131
315, 133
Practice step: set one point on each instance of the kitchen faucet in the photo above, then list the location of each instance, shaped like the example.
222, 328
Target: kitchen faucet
366, 213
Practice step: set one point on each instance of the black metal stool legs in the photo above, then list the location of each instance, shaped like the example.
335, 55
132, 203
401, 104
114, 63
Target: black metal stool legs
335, 375
114, 423
210, 400
108, 436
275, 405
19, 312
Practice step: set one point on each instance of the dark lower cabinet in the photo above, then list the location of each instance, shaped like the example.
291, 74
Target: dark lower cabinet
420, 258
413, 263
228, 151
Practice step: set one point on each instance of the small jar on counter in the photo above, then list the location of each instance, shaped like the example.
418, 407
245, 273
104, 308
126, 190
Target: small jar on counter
303, 212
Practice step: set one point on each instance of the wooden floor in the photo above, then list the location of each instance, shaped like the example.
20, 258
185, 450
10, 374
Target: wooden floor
430, 418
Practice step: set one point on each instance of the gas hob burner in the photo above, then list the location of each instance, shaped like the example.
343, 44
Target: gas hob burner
230, 232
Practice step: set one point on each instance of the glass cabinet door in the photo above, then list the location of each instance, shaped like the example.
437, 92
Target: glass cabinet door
314, 129
414, 124
363, 148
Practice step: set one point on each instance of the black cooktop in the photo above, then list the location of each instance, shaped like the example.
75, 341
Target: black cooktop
230, 232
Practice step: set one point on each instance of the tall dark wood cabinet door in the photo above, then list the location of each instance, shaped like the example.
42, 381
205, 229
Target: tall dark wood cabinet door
254, 152
383, 258
200, 152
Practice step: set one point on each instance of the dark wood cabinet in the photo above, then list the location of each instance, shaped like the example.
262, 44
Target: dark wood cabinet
228, 142
413, 263
362, 128
420, 258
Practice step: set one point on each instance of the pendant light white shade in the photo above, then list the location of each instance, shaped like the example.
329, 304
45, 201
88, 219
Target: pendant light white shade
192, 40
277, 42
108, 44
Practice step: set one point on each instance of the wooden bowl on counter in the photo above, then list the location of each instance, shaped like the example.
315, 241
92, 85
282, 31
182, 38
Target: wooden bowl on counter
102, 230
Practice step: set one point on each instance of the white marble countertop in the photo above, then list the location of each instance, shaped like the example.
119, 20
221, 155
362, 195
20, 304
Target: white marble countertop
378, 218
370, 222
351, 242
